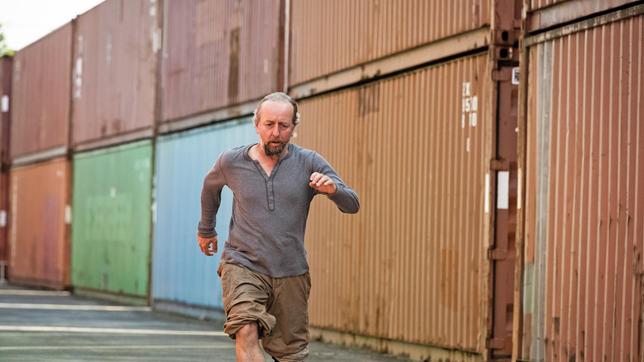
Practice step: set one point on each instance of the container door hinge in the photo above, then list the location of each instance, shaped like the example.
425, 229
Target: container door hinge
495, 343
499, 165
497, 254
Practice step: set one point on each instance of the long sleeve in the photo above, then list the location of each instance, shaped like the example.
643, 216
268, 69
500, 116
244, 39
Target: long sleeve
211, 198
344, 198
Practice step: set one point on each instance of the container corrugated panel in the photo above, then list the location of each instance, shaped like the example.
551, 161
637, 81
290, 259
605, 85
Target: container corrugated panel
39, 228
5, 109
551, 13
181, 273
40, 94
112, 215
411, 265
115, 62
584, 232
539, 4
6, 70
328, 36
219, 53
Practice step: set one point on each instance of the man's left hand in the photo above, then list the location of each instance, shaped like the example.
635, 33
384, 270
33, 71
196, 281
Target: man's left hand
322, 183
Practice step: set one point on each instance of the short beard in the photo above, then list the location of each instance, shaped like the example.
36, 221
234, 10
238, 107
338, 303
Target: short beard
273, 151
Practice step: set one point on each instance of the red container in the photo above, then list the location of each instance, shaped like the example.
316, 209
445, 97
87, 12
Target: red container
39, 224
220, 53
40, 94
115, 69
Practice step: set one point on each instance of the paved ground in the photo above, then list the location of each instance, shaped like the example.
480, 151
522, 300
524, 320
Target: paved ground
55, 326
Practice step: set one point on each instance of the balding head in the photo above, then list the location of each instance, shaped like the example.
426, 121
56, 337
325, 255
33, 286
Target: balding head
278, 97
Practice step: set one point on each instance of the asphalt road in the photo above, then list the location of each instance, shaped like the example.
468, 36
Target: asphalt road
38, 325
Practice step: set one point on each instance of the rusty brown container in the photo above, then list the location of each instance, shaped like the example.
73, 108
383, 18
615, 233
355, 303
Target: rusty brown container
583, 285
329, 36
115, 69
5, 116
548, 13
411, 266
40, 95
39, 224
219, 53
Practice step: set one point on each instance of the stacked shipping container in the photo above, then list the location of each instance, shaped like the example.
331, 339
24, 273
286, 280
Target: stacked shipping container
182, 275
39, 213
583, 289
116, 51
115, 69
219, 58
219, 54
111, 227
413, 103
411, 273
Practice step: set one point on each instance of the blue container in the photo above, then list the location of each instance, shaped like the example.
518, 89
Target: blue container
180, 272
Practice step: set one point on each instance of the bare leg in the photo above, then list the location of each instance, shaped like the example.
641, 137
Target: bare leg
247, 344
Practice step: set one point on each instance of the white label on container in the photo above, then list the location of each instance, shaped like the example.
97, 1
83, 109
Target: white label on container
3, 218
68, 214
473, 119
515, 76
467, 89
502, 190
5, 103
486, 204
474, 103
466, 104
519, 190
156, 40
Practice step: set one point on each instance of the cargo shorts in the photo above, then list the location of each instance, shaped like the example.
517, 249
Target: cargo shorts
279, 306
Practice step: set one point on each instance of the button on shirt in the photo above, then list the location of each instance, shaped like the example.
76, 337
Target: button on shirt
269, 211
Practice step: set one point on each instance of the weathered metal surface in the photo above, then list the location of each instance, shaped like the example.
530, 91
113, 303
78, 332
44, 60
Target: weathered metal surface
412, 266
547, 13
329, 36
584, 233
5, 116
40, 94
219, 53
115, 66
111, 225
181, 273
39, 224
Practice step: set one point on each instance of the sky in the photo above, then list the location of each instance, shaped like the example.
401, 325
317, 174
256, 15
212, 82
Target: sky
25, 21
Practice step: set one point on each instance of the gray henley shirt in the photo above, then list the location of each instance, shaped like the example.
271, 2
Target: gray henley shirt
269, 212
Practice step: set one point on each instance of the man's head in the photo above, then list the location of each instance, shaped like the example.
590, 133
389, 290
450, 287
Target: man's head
275, 119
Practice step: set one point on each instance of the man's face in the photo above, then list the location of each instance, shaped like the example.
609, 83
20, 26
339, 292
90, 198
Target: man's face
275, 126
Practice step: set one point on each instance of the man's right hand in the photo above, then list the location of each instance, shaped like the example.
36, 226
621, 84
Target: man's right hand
208, 246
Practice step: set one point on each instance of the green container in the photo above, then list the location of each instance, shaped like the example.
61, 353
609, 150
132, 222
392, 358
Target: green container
111, 219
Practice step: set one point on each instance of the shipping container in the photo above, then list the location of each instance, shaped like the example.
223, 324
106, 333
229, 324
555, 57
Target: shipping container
412, 266
112, 220
544, 14
182, 275
39, 224
583, 284
40, 102
5, 117
330, 36
220, 53
115, 69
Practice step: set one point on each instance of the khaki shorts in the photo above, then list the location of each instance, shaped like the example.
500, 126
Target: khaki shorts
278, 305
